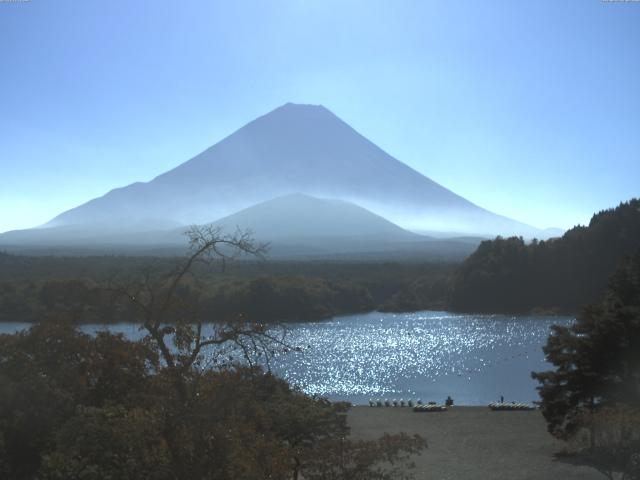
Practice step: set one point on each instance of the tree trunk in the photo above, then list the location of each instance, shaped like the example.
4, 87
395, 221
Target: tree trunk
296, 468
592, 425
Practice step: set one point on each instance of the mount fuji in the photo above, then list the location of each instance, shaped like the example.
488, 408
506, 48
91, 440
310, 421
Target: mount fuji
293, 149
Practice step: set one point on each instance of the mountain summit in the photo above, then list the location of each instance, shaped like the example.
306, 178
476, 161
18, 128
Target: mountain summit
293, 149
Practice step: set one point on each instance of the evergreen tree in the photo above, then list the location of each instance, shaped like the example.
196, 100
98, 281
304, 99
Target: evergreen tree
597, 359
561, 274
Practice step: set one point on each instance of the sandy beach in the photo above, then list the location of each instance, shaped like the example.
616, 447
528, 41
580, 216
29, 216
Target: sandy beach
474, 443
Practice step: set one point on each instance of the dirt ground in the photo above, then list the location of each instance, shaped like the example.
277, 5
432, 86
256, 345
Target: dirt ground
474, 443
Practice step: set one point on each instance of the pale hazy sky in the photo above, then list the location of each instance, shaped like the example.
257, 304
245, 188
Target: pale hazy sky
530, 109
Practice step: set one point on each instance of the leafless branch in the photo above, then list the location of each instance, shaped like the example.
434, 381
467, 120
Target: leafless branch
165, 312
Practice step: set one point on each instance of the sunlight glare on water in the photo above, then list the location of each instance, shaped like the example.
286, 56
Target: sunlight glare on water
427, 355
422, 355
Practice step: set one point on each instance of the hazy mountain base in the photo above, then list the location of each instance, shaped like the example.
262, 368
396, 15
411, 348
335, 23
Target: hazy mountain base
294, 226
503, 275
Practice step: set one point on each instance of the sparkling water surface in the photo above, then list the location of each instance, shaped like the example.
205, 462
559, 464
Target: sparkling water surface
422, 355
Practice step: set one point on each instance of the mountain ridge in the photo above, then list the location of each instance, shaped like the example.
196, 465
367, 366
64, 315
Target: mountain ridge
294, 148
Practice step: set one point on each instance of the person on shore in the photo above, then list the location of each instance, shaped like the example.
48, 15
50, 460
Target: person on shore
449, 401
501, 398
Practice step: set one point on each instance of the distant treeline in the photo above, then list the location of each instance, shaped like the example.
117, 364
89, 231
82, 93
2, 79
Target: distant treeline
557, 275
86, 288
502, 275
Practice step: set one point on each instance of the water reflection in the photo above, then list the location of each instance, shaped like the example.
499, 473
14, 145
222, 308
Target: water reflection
427, 355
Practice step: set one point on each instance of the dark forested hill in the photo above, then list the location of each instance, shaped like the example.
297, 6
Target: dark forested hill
509, 275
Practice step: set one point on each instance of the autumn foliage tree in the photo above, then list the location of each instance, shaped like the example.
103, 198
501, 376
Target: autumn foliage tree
75, 406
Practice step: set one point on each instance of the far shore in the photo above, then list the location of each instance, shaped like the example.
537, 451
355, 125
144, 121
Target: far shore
338, 316
474, 443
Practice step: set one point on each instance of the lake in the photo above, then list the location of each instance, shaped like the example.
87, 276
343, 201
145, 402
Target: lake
426, 355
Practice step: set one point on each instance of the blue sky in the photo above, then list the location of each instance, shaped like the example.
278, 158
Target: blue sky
529, 109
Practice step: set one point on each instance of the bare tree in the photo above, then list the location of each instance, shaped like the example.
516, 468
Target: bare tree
168, 308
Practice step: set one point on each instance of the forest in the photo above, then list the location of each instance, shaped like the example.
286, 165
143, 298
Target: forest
82, 287
77, 407
553, 276
504, 275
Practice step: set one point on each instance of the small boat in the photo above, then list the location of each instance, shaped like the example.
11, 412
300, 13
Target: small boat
510, 407
429, 408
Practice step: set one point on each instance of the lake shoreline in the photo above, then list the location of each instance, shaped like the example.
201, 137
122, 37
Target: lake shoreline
425, 355
541, 313
474, 443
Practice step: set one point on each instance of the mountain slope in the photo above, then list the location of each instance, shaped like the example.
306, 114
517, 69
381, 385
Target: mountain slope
300, 225
295, 148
